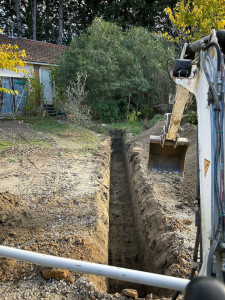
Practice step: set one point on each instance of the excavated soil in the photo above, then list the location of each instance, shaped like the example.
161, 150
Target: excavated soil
164, 206
54, 199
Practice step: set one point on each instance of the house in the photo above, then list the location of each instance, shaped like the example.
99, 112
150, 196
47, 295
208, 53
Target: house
40, 56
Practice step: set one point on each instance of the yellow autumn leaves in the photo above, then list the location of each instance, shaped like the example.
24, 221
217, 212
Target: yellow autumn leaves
193, 19
11, 58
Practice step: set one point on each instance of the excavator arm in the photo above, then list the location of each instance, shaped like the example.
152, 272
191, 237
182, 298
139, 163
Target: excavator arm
200, 71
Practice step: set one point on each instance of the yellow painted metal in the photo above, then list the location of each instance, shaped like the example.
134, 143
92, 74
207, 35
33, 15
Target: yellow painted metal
206, 163
178, 109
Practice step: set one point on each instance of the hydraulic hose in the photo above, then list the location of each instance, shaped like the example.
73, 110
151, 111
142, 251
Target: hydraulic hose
217, 151
209, 79
213, 167
213, 246
214, 44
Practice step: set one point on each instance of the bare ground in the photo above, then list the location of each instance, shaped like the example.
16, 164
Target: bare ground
54, 196
164, 207
54, 199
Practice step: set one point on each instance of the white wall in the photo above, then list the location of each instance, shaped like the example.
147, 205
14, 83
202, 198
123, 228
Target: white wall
9, 73
44, 75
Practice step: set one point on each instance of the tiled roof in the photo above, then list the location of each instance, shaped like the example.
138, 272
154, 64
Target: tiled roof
36, 51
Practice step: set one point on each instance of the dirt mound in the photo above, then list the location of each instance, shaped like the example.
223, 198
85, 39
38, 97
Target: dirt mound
13, 215
184, 186
15, 224
164, 206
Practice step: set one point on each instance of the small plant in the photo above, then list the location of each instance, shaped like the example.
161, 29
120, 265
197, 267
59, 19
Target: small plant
34, 98
190, 117
75, 108
133, 117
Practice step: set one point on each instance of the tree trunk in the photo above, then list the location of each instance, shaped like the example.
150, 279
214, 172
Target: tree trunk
34, 19
60, 25
47, 20
18, 18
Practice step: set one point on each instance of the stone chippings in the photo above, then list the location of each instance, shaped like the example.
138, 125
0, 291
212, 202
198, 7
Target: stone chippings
52, 289
80, 289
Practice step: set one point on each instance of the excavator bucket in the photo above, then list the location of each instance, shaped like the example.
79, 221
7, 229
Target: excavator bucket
170, 158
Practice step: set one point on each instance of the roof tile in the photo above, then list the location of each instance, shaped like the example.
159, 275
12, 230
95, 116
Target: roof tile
36, 51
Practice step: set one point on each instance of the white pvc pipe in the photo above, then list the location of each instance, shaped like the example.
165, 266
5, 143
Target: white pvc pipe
161, 281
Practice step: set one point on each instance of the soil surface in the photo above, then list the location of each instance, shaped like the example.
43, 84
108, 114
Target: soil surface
164, 206
123, 237
54, 199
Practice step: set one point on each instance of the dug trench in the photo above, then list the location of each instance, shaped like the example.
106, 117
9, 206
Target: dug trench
151, 216
123, 236
55, 200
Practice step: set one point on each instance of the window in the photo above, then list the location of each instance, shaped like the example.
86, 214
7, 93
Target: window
12, 103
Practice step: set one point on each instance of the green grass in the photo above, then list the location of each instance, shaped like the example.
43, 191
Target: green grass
44, 144
5, 144
11, 160
60, 128
46, 124
63, 128
125, 126
155, 119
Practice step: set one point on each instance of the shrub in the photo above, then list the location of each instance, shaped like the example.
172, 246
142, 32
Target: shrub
121, 67
74, 106
34, 95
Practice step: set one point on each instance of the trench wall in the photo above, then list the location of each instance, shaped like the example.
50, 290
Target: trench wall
100, 230
163, 215
166, 233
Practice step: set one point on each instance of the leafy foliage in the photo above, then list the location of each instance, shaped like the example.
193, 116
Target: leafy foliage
193, 19
121, 67
155, 119
190, 117
133, 117
34, 92
77, 16
11, 59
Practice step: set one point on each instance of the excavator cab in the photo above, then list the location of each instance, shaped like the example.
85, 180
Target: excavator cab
168, 158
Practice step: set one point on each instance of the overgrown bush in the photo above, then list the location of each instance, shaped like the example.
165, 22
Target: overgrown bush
121, 67
75, 108
155, 119
34, 95
190, 117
